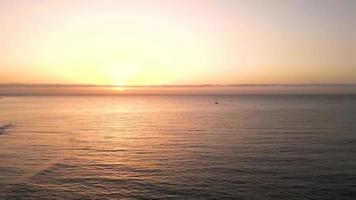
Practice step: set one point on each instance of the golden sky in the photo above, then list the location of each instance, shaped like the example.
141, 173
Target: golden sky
140, 42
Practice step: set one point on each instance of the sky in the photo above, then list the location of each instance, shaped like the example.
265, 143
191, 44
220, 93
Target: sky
150, 42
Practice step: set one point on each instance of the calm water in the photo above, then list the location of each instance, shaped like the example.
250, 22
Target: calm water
178, 147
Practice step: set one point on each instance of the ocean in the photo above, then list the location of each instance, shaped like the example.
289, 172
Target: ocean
178, 147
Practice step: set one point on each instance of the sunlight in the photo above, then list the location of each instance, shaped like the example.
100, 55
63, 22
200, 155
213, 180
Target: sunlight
120, 73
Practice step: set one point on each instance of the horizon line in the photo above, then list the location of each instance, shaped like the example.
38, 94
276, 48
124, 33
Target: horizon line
68, 85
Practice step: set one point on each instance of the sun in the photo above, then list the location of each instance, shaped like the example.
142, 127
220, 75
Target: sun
120, 73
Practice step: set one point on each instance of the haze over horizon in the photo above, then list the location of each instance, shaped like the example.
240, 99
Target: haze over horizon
178, 42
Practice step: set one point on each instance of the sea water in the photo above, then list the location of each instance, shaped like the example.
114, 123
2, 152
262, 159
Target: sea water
178, 147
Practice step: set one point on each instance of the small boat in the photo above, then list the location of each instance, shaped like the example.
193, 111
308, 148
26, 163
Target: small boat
216, 102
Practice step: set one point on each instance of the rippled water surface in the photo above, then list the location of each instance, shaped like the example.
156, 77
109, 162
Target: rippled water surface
178, 147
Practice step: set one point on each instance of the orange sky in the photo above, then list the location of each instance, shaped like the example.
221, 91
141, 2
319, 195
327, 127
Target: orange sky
177, 42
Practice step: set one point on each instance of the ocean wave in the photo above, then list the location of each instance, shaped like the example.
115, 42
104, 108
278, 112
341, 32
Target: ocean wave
4, 127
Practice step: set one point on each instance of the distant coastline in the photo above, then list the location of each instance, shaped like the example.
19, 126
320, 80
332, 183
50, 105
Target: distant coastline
177, 85
213, 89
